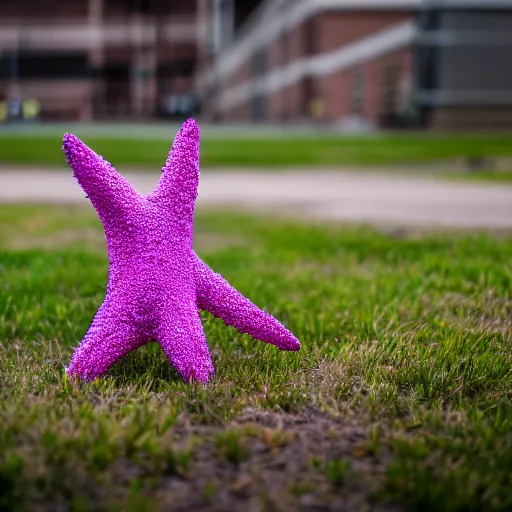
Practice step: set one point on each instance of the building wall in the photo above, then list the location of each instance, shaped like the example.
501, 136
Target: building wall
30, 11
62, 100
335, 29
328, 97
360, 90
132, 58
355, 60
462, 118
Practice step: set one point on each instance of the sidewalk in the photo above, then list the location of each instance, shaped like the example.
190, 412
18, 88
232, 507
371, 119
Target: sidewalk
358, 196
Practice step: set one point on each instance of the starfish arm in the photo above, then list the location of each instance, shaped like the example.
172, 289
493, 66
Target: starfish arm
111, 195
182, 338
110, 337
217, 296
176, 191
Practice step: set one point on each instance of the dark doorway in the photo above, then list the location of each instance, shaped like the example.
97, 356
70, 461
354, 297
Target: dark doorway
116, 79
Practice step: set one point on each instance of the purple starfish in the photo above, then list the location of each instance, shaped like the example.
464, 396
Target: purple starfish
156, 282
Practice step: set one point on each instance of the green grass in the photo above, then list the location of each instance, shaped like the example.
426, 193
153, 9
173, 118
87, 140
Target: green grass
390, 149
403, 382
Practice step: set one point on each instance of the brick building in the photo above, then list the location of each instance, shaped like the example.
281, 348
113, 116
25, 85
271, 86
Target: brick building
83, 59
97, 59
383, 63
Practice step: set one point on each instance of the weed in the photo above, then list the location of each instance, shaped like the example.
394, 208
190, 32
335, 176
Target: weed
232, 446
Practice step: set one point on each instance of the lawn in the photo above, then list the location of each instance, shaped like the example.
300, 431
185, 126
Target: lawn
400, 398
264, 151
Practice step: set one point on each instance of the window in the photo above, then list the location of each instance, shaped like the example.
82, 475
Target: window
357, 92
259, 62
44, 65
150, 6
390, 88
175, 69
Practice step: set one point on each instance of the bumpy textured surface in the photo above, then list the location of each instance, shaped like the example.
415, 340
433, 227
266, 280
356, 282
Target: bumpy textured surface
156, 282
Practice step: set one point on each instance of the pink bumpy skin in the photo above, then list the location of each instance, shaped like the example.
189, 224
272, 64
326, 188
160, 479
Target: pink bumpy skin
156, 283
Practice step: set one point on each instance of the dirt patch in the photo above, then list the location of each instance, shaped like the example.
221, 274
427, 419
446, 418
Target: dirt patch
262, 461
276, 461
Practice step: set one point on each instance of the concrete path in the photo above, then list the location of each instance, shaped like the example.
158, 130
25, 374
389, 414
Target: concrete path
378, 198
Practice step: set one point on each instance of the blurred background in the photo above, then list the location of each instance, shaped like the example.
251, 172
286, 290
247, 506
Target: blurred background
354, 65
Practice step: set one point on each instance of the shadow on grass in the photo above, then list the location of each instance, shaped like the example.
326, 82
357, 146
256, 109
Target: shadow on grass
147, 364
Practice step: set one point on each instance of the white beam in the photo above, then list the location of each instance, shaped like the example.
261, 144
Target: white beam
385, 41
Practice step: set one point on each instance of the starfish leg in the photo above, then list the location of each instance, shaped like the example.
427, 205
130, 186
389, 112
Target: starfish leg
110, 337
180, 332
176, 191
182, 338
217, 296
111, 194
